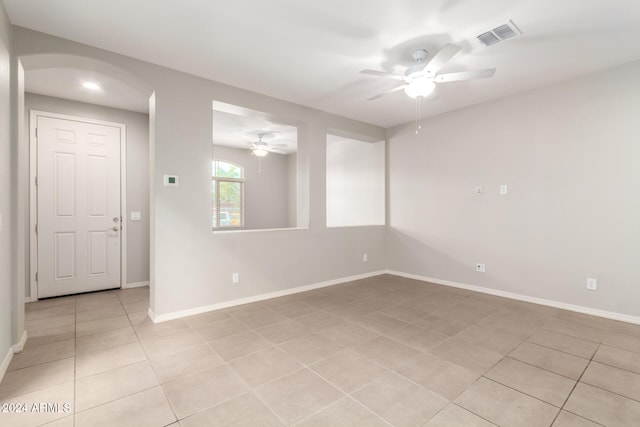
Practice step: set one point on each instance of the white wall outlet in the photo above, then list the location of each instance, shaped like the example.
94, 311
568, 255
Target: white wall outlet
136, 216
504, 190
592, 284
365, 258
480, 268
171, 181
479, 190
235, 278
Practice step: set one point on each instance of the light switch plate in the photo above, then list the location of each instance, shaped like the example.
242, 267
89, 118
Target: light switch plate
504, 189
135, 216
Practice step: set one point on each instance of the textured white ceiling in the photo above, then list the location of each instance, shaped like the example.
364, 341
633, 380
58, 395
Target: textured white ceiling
240, 131
67, 83
311, 52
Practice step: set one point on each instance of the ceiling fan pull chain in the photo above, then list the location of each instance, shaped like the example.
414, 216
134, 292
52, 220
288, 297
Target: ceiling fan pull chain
418, 113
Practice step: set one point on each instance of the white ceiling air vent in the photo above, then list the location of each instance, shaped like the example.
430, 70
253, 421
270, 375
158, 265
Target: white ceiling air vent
499, 33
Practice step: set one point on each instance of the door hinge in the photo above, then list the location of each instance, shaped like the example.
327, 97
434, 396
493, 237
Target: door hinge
36, 132
36, 228
36, 181
36, 276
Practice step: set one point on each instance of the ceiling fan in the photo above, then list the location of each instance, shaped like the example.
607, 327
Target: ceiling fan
261, 148
421, 78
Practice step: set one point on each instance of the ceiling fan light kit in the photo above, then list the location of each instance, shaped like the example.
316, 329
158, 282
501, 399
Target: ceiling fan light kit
421, 78
420, 87
261, 148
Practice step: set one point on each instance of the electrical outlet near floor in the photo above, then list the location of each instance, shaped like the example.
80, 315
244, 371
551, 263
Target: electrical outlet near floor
365, 258
480, 268
235, 278
592, 284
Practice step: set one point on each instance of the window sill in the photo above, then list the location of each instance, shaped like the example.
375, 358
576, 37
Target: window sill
258, 230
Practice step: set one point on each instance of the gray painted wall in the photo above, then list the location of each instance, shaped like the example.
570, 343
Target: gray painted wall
6, 252
571, 159
137, 128
190, 265
266, 189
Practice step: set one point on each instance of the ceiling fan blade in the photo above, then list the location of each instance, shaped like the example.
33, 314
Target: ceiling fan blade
395, 89
277, 145
273, 150
382, 74
443, 56
464, 75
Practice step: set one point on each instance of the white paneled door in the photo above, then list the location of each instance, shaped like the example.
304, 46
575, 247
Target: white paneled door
79, 219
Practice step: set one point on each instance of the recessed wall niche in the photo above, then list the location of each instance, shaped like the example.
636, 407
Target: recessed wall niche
355, 181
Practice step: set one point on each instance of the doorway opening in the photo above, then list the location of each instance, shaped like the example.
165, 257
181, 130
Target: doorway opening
79, 104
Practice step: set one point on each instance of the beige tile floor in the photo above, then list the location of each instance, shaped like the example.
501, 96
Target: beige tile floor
376, 352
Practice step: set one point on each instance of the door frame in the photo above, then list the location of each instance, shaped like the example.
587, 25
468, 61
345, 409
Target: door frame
33, 194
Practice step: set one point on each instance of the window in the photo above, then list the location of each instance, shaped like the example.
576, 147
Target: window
227, 187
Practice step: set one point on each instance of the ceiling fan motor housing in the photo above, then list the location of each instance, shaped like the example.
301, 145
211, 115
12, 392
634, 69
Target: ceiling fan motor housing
419, 55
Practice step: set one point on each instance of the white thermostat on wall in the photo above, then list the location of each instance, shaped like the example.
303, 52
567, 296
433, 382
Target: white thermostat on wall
170, 180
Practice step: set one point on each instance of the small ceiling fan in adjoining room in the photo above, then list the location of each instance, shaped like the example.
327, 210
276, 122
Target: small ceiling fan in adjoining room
421, 78
261, 148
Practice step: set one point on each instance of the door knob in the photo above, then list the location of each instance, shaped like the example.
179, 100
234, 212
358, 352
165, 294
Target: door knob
115, 228
115, 219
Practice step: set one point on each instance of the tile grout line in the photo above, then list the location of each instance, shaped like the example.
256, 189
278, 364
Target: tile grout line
135, 331
250, 389
303, 364
123, 366
576, 384
391, 303
479, 416
541, 368
612, 392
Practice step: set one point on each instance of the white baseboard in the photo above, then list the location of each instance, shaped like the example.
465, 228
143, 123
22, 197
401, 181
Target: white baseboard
5, 362
16, 348
29, 299
158, 318
511, 295
135, 285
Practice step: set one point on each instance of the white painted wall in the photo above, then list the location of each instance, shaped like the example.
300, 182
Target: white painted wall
137, 128
266, 189
190, 266
355, 182
569, 154
20, 185
6, 210
292, 196
571, 159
